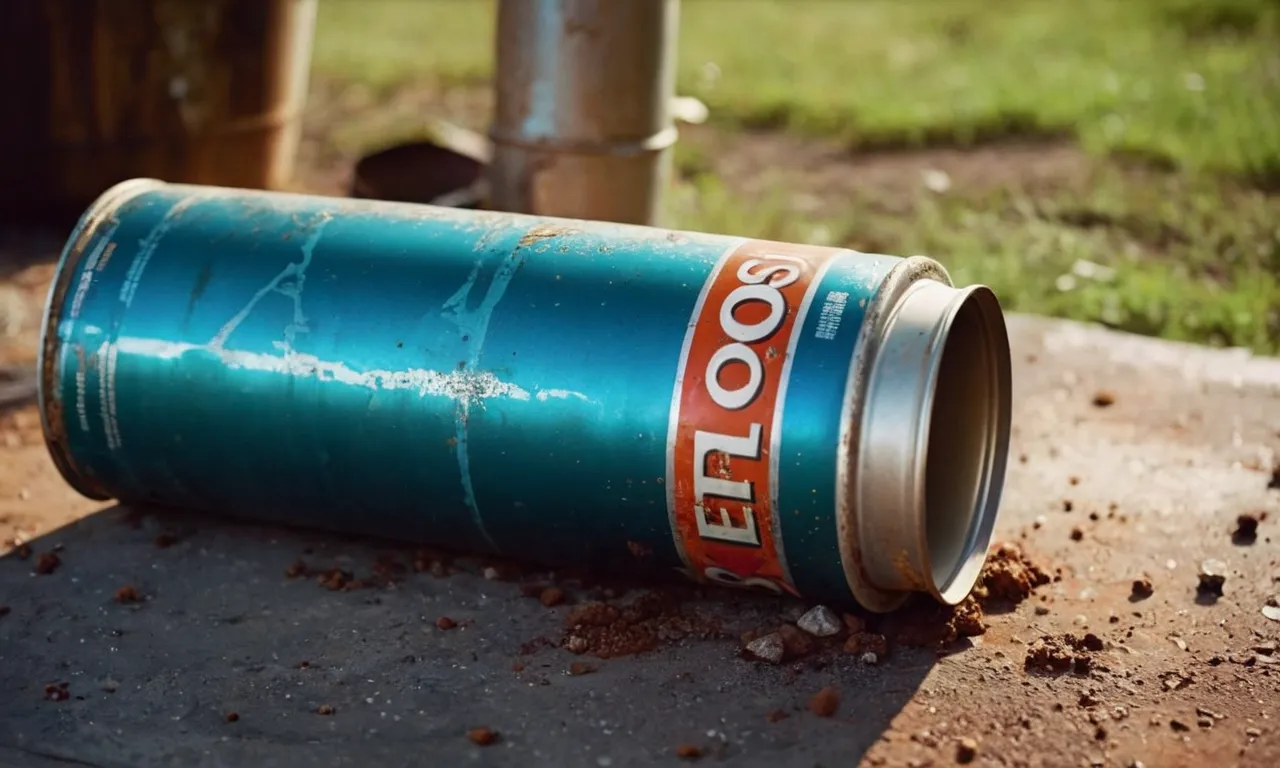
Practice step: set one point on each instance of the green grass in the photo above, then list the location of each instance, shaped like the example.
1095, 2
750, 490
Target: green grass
1188, 86
1151, 256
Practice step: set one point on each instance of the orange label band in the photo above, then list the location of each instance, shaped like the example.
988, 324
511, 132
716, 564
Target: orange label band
726, 412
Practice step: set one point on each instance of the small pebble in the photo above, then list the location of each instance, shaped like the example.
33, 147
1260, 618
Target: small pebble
966, 750
482, 736
768, 647
1271, 610
444, 622
233, 717
1212, 575
551, 596
324, 709
491, 573
1076, 533
820, 621
1142, 588
869, 659
1104, 398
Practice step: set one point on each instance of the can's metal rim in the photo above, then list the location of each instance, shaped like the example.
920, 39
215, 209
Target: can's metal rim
935, 360
879, 310
52, 417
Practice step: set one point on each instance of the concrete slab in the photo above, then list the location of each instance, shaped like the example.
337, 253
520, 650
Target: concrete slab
1150, 484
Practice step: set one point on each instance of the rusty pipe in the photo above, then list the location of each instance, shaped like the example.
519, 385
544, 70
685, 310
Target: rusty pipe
583, 124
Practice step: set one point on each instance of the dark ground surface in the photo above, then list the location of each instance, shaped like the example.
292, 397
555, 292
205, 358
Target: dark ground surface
1189, 443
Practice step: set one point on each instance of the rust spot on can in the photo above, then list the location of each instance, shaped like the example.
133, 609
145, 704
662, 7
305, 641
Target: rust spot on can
544, 232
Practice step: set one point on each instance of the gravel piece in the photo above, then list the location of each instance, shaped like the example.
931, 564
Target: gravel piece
768, 648
820, 621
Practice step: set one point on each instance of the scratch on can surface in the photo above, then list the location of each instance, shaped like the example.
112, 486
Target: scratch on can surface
473, 324
292, 291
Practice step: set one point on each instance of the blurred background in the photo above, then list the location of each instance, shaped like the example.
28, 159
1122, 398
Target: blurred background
1109, 160
1106, 160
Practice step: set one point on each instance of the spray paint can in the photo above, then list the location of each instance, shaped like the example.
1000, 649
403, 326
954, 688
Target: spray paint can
793, 418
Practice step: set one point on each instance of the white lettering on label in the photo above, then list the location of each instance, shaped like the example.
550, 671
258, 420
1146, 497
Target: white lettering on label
705, 485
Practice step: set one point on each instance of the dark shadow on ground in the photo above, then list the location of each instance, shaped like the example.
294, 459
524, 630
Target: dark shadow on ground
221, 628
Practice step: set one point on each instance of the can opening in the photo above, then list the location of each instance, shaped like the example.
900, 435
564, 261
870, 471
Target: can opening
934, 434
961, 488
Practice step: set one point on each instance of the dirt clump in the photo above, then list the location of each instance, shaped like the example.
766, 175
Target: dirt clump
607, 630
1058, 655
689, 752
825, 702
57, 692
1104, 398
867, 642
966, 750
795, 642
929, 624
444, 623
1142, 588
1246, 531
1009, 576
551, 596
127, 594
47, 563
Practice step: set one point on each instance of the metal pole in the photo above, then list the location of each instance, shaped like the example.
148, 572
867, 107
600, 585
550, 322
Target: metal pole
583, 124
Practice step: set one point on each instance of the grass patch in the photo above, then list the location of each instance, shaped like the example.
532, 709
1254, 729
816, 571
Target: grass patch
1142, 254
